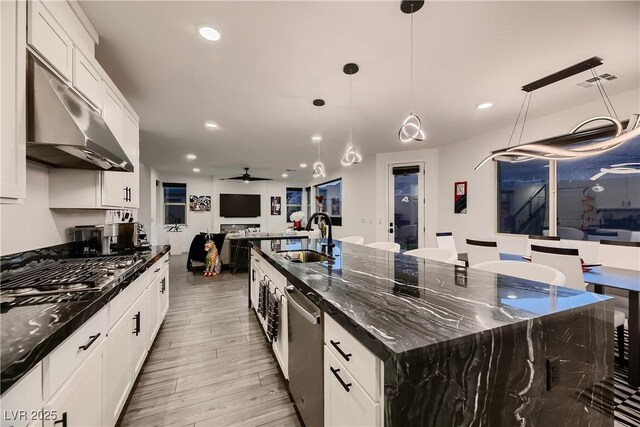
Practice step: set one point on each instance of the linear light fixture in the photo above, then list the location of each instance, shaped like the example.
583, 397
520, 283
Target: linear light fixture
568, 149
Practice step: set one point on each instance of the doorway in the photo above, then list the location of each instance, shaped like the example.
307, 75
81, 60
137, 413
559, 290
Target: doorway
406, 202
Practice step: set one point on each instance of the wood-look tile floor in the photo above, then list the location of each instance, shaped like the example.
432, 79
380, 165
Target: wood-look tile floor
210, 364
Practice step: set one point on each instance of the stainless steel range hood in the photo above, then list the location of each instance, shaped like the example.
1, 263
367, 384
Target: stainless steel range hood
63, 130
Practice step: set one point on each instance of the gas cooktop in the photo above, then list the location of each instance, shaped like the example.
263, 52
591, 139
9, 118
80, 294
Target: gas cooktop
63, 280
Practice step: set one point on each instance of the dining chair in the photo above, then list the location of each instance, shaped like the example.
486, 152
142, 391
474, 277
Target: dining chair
524, 270
567, 261
434, 254
385, 246
552, 241
482, 251
619, 254
357, 240
445, 240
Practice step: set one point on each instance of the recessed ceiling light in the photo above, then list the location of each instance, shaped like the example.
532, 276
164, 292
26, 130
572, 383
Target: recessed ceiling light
316, 138
209, 33
484, 105
303, 165
284, 175
196, 170
210, 125
191, 156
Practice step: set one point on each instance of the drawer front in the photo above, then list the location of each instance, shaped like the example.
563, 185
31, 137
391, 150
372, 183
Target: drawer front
156, 269
125, 299
345, 401
357, 359
86, 78
25, 396
74, 350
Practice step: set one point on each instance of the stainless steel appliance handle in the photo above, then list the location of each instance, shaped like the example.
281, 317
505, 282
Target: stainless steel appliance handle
311, 318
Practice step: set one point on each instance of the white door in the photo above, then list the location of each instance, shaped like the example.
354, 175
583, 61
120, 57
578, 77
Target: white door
113, 188
131, 141
79, 400
118, 378
406, 203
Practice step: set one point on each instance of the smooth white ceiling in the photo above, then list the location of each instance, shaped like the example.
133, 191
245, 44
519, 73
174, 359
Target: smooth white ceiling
274, 58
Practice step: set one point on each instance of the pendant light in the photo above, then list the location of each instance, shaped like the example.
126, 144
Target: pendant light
318, 167
568, 148
411, 129
350, 156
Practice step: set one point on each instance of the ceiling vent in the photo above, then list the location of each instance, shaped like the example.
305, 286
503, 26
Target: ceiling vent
590, 82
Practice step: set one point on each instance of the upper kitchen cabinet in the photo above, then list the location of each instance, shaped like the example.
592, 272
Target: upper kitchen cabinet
13, 20
86, 78
47, 36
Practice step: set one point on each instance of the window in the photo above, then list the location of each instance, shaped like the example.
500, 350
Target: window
294, 201
605, 208
331, 194
175, 203
523, 197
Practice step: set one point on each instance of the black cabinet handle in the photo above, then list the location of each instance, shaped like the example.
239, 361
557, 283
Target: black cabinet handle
253, 275
92, 339
63, 420
162, 288
166, 260
342, 353
156, 270
137, 319
335, 372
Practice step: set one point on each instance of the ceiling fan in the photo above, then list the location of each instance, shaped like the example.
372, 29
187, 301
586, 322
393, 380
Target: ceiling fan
246, 177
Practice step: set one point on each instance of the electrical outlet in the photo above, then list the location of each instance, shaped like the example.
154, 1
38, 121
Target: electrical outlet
553, 372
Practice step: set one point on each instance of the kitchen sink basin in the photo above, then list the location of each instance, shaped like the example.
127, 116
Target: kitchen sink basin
305, 255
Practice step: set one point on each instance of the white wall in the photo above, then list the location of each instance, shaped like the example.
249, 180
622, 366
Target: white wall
456, 163
206, 185
33, 225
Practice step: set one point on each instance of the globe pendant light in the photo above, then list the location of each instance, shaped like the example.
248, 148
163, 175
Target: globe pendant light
411, 129
350, 156
318, 167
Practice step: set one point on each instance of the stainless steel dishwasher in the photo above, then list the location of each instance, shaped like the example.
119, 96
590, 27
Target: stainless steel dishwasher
306, 382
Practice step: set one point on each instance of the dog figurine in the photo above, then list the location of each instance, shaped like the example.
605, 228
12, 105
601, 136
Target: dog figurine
214, 265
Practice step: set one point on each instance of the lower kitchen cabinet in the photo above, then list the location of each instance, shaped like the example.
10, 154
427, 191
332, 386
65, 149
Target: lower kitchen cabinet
163, 303
118, 378
79, 401
153, 309
345, 401
139, 315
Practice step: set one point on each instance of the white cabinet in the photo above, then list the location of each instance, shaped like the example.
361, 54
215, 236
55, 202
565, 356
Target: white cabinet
13, 166
153, 309
130, 144
345, 401
163, 303
281, 344
47, 36
22, 398
139, 316
118, 376
256, 276
79, 400
86, 78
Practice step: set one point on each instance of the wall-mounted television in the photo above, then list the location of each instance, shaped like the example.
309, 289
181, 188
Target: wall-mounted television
239, 205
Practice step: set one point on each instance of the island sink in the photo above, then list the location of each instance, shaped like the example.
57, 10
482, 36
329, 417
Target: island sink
305, 255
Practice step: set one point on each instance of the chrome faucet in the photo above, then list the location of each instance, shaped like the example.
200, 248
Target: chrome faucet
327, 219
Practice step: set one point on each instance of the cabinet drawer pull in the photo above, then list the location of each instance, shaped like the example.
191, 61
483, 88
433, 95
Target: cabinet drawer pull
92, 339
342, 353
166, 260
137, 319
335, 372
63, 420
156, 270
162, 288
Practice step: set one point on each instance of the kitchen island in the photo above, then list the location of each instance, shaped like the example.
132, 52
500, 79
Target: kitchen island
455, 346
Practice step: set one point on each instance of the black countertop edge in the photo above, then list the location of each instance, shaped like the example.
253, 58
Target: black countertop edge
276, 237
11, 374
378, 348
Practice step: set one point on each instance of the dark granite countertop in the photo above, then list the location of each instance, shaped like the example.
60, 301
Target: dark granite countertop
267, 236
395, 303
29, 333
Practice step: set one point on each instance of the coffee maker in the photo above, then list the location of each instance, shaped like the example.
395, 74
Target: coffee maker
93, 240
127, 235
